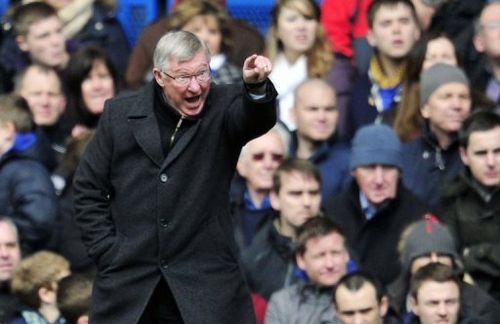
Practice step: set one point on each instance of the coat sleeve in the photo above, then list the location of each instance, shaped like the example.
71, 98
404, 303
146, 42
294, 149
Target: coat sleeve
250, 118
276, 309
92, 193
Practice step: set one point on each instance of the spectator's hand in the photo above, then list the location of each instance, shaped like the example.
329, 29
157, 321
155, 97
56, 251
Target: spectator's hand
256, 68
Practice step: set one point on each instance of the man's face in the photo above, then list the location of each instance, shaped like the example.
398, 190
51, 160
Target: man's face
298, 200
361, 306
488, 39
394, 31
482, 156
45, 43
325, 259
97, 87
437, 302
187, 99
42, 91
447, 108
432, 257
259, 159
10, 251
315, 113
377, 182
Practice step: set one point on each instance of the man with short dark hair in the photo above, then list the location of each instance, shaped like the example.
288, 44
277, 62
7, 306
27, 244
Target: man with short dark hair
359, 298
435, 295
472, 200
322, 255
392, 30
268, 262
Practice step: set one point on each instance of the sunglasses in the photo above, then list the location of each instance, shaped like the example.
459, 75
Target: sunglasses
276, 157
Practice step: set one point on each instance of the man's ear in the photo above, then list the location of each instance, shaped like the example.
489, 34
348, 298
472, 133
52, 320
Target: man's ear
274, 199
478, 42
158, 77
299, 258
463, 156
46, 295
414, 305
424, 110
21, 43
370, 38
84, 319
384, 306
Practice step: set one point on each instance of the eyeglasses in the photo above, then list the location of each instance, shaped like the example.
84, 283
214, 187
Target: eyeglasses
184, 80
276, 157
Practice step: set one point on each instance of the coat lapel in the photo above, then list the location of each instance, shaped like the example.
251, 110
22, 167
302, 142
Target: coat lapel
144, 126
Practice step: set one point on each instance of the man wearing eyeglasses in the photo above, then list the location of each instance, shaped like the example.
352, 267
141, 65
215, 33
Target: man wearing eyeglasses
151, 191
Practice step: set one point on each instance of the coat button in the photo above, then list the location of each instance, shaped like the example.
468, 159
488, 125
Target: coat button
163, 177
164, 263
164, 223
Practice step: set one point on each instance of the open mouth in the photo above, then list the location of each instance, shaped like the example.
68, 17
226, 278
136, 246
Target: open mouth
193, 99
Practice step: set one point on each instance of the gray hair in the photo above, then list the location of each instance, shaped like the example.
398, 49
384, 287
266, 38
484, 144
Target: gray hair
180, 45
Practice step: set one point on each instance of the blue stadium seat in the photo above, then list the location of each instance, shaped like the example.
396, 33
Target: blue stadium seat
135, 15
4, 5
255, 12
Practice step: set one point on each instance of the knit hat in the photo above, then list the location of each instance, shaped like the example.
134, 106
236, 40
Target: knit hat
376, 144
426, 236
438, 75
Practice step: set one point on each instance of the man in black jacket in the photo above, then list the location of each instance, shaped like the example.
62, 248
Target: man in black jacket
152, 191
375, 207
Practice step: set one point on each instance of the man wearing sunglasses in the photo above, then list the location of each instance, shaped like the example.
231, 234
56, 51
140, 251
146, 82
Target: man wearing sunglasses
152, 191
250, 203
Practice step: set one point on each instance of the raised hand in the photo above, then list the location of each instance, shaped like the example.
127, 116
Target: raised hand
256, 69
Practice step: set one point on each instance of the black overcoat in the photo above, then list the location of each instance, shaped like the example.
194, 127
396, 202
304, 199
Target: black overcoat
144, 216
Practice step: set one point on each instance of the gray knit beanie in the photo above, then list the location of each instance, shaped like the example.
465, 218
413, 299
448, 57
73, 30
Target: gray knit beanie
437, 75
426, 236
376, 144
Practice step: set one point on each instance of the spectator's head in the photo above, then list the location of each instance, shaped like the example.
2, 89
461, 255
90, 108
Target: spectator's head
206, 19
42, 89
487, 25
315, 113
15, 116
296, 30
10, 249
182, 70
38, 32
321, 251
479, 140
426, 241
259, 159
393, 28
296, 194
73, 298
376, 161
92, 78
359, 299
35, 280
435, 294
445, 99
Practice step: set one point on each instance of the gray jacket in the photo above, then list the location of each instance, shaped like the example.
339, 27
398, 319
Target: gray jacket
301, 303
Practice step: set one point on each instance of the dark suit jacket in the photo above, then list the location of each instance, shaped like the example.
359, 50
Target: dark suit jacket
144, 216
